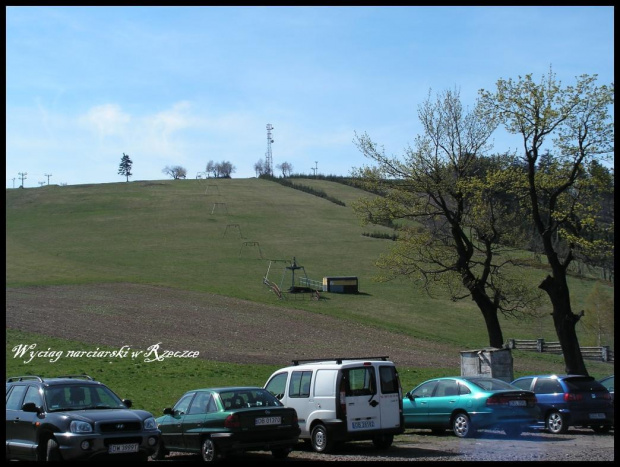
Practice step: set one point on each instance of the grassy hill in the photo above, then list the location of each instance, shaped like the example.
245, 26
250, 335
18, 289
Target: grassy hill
222, 236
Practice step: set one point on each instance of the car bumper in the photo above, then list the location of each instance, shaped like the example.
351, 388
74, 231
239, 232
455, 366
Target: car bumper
249, 442
92, 445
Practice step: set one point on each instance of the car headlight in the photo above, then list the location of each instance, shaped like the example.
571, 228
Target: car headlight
80, 427
150, 424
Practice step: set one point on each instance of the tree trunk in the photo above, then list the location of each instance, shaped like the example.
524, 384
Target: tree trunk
489, 312
565, 322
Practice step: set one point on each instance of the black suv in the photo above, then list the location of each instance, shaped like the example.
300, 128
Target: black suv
74, 418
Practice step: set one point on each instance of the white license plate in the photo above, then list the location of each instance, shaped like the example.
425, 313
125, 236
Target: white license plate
363, 424
122, 448
517, 403
597, 415
268, 421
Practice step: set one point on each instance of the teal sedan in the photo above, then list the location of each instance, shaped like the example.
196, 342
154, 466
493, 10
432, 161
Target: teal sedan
466, 404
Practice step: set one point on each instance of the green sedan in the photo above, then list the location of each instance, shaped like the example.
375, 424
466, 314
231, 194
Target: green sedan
466, 404
213, 422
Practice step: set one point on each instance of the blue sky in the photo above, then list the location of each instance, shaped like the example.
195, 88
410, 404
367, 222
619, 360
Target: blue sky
186, 85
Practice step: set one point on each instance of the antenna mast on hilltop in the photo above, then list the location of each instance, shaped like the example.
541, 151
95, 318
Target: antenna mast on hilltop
268, 157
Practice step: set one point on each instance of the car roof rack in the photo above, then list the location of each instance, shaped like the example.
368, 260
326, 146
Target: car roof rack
76, 376
13, 379
339, 360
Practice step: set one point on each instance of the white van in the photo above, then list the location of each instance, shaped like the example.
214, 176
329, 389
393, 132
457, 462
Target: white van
342, 399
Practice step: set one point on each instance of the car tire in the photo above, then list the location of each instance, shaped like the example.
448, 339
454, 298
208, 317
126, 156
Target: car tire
208, 450
52, 453
556, 423
462, 426
160, 451
601, 428
320, 439
280, 453
383, 441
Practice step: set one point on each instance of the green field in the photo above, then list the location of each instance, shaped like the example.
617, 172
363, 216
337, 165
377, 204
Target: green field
219, 236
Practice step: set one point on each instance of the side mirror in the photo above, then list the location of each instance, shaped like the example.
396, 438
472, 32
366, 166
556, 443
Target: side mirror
31, 407
168, 411
410, 396
127, 403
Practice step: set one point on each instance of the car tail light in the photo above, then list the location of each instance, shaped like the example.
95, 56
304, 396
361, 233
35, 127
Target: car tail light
572, 397
232, 421
496, 400
295, 419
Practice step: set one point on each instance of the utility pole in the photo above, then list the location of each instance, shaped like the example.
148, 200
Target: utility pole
13, 182
48, 178
23, 177
316, 168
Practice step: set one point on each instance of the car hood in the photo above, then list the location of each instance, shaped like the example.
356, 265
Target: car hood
107, 415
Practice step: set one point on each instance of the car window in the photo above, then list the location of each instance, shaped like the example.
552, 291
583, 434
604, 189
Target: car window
491, 384
446, 387
33, 395
389, 379
425, 390
360, 381
277, 385
525, 383
547, 386
464, 389
609, 384
584, 384
183, 404
212, 405
300, 384
14, 402
199, 404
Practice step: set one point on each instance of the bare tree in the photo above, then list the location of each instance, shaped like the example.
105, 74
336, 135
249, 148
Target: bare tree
460, 244
286, 168
176, 172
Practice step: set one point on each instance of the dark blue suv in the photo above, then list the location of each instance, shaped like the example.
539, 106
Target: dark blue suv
570, 400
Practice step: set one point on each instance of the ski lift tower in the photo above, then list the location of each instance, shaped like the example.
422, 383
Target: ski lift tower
268, 157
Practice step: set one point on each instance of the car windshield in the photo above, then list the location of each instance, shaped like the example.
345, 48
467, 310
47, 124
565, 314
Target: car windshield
241, 398
584, 384
491, 384
80, 397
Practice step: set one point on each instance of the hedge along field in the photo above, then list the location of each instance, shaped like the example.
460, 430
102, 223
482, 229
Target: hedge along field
182, 234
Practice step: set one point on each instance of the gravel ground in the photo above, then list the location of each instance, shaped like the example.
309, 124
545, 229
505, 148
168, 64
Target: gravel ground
578, 445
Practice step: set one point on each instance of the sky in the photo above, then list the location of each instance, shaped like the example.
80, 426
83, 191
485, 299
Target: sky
182, 86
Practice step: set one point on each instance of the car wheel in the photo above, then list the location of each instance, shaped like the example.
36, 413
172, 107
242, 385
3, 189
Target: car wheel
320, 439
208, 451
601, 428
280, 453
383, 441
160, 451
462, 426
52, 453
556, 423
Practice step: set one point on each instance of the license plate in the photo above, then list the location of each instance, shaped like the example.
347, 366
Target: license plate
363, 424
268, 421
597, 415
517, 403
122, 448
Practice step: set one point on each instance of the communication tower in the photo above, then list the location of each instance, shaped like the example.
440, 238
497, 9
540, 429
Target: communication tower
268, 157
